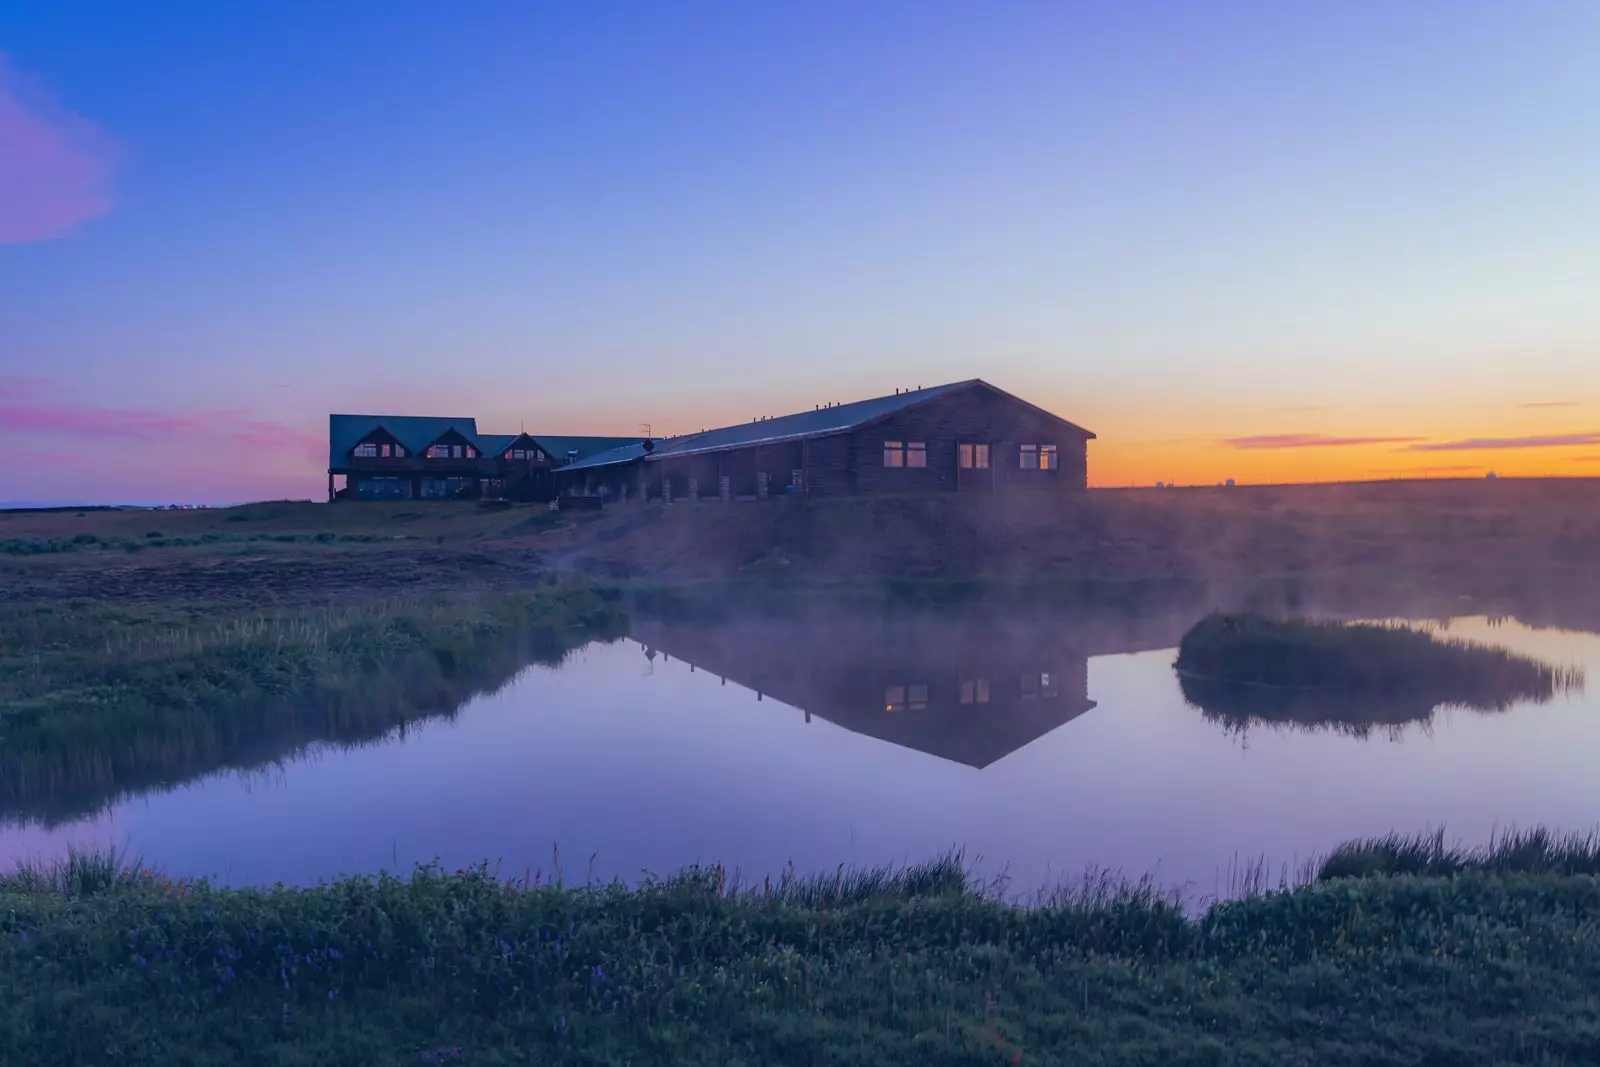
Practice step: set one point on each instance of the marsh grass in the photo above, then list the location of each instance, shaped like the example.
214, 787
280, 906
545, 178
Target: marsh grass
85, 542
1535, 851
902, 966
98, 699
1248, 669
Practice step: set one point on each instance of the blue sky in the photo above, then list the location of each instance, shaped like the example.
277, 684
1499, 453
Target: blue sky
1179, 224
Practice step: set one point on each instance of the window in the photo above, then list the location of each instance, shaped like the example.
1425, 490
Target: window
973, 457
1049, 685
1039, 458
905, 698
384, 451
975, 691
535, 454
905, 453
400, 452
438, 451
472, 453
365, 450
456, 451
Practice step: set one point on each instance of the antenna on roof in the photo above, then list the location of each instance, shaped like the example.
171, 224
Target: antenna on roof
645, 426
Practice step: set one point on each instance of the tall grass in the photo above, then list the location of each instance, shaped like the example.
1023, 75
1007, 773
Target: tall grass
1535, 851
908, 966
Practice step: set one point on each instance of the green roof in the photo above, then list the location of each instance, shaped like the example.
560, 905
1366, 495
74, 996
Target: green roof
416, 432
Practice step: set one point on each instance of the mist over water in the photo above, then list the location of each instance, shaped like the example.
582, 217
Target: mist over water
1042, 740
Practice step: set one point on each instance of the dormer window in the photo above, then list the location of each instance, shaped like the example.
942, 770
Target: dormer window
383, 450
366, 450
438, 451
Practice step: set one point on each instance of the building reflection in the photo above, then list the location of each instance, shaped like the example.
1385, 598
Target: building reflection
967, 691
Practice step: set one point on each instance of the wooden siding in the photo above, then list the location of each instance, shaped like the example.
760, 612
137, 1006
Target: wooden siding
972, 417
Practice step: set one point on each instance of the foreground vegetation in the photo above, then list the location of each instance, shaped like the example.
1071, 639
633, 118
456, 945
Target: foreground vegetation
100, 963
98, 698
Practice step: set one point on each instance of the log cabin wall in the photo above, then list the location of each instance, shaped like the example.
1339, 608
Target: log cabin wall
941, 425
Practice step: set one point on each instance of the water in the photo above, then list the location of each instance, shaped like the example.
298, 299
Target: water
1045, 744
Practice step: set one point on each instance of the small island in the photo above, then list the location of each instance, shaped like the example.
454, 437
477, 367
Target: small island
1248, 669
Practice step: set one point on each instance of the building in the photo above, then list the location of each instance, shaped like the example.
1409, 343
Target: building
966, 436
411, 457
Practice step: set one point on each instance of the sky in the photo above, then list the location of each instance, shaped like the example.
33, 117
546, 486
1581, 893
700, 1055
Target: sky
1340, 239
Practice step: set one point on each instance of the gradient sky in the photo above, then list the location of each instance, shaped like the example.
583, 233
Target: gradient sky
1268, 241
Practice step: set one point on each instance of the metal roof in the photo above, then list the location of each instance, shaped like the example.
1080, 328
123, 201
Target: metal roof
416, 432
804, 424
560, 447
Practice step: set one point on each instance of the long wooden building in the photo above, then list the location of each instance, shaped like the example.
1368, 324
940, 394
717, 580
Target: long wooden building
966, 436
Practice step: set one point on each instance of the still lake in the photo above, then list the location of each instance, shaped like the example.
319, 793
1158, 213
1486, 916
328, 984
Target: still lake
1042, 745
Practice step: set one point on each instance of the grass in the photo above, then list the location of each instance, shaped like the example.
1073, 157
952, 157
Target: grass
1249, 669
83, 542
97, 699
1535, 851
915, 966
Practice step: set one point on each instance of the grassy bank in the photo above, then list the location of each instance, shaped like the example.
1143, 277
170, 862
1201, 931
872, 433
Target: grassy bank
98, 698
912, 967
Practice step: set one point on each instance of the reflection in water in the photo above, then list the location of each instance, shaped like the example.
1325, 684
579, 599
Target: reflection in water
38, 790
966, 690
1244, 670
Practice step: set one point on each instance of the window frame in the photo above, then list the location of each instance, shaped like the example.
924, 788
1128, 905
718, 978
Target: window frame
894, 455
972, 455
1028, 457
365, 450
916, 455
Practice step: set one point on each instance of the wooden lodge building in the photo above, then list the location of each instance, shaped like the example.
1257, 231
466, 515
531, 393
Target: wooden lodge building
410, 457
964, 436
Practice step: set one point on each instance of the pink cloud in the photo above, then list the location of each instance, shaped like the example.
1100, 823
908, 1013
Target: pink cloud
55, 166
21, 409
1309, 440
1477, 444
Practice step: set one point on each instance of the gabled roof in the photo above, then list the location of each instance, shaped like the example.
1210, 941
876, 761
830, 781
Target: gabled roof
804, 424
559, 447
494, 444
416, 432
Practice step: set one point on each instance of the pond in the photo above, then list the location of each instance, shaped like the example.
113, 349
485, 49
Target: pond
1043, 742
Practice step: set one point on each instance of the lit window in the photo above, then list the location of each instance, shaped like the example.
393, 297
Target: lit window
894, 453
384, 451
366, 450
973, 457
1048, 460
917, 454
457, 451
1028, 457
472, 453
439, 452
